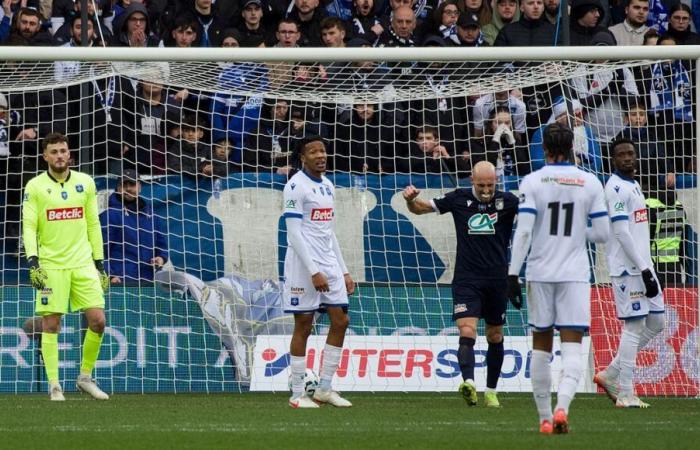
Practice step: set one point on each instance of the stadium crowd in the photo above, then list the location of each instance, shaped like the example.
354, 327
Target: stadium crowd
157, 129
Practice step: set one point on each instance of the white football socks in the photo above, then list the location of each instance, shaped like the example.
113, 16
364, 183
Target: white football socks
331, 360
654, 324
298, 368
571, 367
541, 374
629, 345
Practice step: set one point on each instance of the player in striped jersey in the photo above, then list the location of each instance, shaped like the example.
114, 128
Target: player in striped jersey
556, 203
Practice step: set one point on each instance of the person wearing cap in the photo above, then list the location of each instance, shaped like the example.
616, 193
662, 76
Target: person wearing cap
135, 242
631, 31
505, 11
586, 16
532, 29
253, 30
469, 31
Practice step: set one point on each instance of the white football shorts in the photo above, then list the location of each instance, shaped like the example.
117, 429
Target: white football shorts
299, 294
560, 305
630, 300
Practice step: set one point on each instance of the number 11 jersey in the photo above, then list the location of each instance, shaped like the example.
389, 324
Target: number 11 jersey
562, 197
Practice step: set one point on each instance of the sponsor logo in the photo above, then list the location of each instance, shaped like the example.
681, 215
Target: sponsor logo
483, 223
46, 291
617, 188
64, 214
469, 203
79, 188
620, 206
569, 181
623, 287
294, 301
640, 215
460, 308
522, 198
290, 204
636, 294
321, 214
297, 291
293, 185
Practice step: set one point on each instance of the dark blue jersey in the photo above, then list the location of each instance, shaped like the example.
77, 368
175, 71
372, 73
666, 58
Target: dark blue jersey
483, 232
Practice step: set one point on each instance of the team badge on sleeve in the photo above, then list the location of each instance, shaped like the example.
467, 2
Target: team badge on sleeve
25, 197
521, 197
79, 188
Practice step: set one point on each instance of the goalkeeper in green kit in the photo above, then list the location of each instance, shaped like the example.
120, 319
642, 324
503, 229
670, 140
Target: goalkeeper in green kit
63, 241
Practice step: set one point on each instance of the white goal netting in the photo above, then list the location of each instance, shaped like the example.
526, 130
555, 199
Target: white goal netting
196, 263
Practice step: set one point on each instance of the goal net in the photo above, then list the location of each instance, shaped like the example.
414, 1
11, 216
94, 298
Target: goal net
196, 263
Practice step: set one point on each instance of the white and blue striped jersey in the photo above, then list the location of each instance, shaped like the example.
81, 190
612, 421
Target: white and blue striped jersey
626, 202
312, 201
563, 198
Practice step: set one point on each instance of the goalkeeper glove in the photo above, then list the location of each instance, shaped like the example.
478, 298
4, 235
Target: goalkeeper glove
515, 292
37, 275
104, 278
650, 284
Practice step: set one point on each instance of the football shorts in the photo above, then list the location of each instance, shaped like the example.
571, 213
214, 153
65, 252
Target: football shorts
559, 305
300, 296
485, 299
630, 300
70, 290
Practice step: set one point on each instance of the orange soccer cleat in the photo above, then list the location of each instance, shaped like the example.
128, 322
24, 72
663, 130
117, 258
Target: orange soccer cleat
561, 422
546, 427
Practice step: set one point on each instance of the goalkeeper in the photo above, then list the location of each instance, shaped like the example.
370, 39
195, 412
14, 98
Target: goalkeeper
483, 218
63, 241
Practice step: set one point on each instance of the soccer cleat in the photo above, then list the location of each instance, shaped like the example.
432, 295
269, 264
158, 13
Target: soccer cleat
56, 393
491, 399
88, 385
332, 398
610, 387
561, 422
302, 402
630, 402
546, 427
468, 391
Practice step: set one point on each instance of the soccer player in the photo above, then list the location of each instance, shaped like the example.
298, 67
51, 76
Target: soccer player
63, 241
315, 274
638, 298
556, 203
483, 218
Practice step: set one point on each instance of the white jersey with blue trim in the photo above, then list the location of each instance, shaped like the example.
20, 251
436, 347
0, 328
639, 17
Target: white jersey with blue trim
626, 202
563, 198
312, 200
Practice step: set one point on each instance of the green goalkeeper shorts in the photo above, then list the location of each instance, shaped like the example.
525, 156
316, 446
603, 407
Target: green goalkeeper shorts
70, 290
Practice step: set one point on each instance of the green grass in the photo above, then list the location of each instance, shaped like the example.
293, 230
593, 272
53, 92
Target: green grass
388, 420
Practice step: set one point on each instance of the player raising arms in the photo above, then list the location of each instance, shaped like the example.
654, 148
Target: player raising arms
556, 203
63, 241
314, 272
638, 298
483, 218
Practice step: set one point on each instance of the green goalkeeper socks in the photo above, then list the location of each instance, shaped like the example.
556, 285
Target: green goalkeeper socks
49, 351
91, 349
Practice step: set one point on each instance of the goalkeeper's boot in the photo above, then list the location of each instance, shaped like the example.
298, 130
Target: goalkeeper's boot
491, 399
609, 386
56, 392
560, 422
332, 398
631, 401
302, 402
468, 391
88, 385
546, 427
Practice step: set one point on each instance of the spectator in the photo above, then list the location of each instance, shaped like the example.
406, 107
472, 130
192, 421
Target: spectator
531, 30
253, 31
333, 32
133, 28
444, 23
365, 23
551, 11
427, 155
501, 146
631, 31
587, 151
482, 8
585, 19
184, 33
486, 104
218, 163
651, 37
401, 31
134, 237
65, 33
506, 11
469, 31
268, 149
184, 155
679, 25
212, 18
231, 38
369, 142
27, 29
308, 15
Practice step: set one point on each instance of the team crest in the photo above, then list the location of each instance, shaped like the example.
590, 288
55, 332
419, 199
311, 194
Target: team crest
44, 301
499, 204
295, 301
64, 195
79, 188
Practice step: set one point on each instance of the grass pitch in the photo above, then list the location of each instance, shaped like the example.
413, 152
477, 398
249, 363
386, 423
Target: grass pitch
387, 420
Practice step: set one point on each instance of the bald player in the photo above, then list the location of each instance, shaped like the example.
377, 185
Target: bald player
483, 218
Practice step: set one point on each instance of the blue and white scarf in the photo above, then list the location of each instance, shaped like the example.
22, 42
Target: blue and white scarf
670, 89
658, 16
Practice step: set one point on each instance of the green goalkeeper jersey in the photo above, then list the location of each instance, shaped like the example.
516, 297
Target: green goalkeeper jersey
60, 221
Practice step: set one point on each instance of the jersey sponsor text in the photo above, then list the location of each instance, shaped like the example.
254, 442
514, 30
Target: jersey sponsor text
64, 213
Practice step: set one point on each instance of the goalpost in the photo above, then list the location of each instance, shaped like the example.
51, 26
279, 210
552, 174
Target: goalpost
211, 133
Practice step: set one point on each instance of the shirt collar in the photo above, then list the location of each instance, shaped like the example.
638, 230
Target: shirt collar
55, 180
630, 29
